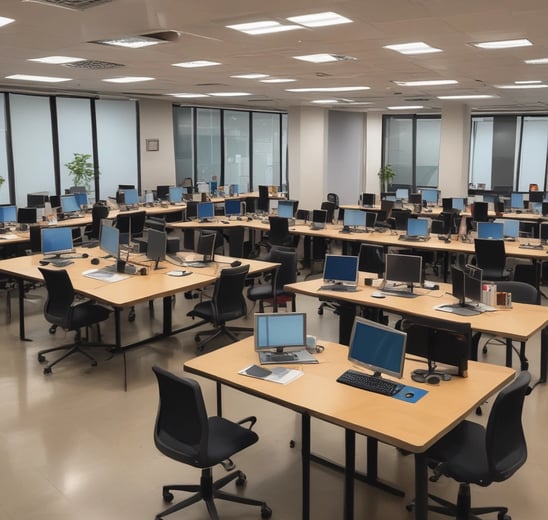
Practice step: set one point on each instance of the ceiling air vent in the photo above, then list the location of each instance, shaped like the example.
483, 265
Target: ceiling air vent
93, 65
71, 4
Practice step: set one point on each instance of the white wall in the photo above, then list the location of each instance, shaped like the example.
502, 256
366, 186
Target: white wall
373, 152
156, 122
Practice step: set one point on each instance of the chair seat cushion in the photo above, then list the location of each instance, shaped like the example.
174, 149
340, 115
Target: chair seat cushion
205, 311
88, 313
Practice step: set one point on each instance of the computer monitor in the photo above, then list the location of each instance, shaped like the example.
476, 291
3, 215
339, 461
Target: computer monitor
8, 214
457, 203
156, 246
354, 218
26, 215
447, 203
402, 269
149, 197
286, 208
510, 227
368, 199
341, 269
417, 227
280, 331
206, 246
233, 207
473, 283
545, 209
203, 187
205, 211
37, 200
81, 198
377, 347
234, 189
131, 197
430, 196
543, 233
480, 211
162, 192
388, 195
109, 240
516, 201
536, 196
55, 201
493, 230
57, 241
370, 219
176, 194
402, 194
464, 286
69, 204
415, 198
319, 217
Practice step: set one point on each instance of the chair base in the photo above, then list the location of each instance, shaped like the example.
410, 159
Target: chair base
207, 491
214, 333
74, 348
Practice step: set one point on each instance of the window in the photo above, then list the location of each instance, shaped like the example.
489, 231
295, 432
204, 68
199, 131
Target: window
183, 132
5, 188
266, 149
236, 149
208, 144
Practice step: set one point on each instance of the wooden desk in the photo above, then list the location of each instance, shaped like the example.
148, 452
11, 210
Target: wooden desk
412, 427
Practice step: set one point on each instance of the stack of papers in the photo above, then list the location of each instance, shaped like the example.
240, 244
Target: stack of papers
105, 276
276, 375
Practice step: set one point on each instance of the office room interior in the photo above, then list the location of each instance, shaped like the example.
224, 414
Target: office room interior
313, 101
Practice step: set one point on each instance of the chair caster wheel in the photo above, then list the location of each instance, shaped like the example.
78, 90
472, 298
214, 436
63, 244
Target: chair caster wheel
292, 443
266, 512
504, 516
94, 363
47, 370
41, 358
479, 411
197, 338
320, 312
131, 316
52, 329
484, 350
410, 507
241, 480
168, 497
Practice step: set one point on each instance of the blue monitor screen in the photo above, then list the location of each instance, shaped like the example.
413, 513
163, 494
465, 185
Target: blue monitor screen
430, 196
234, 189
457, 203
176, 193
205, 210
402, 193
510, 227
233, 207
81, 198
417, 227
69, 204
285, 208
110, 240
493, 230
131, 197
56, 241
280, 330
516, 200
341, 268
354, 217
8, 214
377, 347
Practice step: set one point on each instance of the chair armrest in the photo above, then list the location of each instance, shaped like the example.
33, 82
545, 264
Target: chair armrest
251, 419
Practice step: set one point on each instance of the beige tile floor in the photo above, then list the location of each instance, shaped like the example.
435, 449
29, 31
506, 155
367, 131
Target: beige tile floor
75, 445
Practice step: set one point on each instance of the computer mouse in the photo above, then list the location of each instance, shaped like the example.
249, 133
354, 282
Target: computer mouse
249, 219
95, 261
225, 222
377, 294
408, 395
43, 262
236, 263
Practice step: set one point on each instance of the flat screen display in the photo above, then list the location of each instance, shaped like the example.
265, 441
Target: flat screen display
340, 269
402, 193
206, 246
377, 347
131, 198
176, 193
319, 216
430, 196
280, 331
8, 214
457, 203
493, 230
403, 268
69, 204
81, 198
417, 227
415, 198
205, 210
368, 199
149, 197
510, 227
536, 196
26, 215
156, 245
285, 208
516, 200
233, 207
370, 219
56, 241
109, 241
354, 218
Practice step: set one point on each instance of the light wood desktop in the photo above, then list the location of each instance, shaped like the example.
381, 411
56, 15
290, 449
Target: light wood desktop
317, 394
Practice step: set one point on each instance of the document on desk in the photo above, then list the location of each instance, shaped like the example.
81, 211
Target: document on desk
8, 236
105, 276
276, 375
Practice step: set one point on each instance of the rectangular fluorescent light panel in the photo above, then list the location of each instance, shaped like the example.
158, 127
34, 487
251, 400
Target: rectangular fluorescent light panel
278, 80
503, 44
412, 48
5, 21
319, 19
467, 96
43, 79
189, 95
196, 63
56, 60
250, 76
317, 58
128, 79
514, 86
263, 27
406, 107
229, 94
426, 83
131, 42
326, 89
537, 61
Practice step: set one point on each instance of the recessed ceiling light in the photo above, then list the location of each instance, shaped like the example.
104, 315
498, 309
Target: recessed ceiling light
229, 94
412, 48
406, 107
5, 21
324, 58
44, 79
196, 63
528, 82
131, 42
263, 27
189, 95
514, 86
426, 83
503, 44
278, 80
56, 60
128, 79
537, 61
319, 19
468, 96
250, 76
325, 101
326, 89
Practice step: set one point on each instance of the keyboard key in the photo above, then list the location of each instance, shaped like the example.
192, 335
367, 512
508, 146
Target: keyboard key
369, 383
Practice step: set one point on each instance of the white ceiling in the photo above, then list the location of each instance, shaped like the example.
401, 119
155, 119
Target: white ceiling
44, 30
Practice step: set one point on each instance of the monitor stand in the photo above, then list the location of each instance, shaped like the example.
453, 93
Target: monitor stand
459, 309
281, 357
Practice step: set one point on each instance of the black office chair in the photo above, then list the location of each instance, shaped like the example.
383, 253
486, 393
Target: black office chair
400, 218
334, 198
98, 213
131, 223
279, 235
226, 304
61, 310
263, 203
474, 454
491, 258
330, 208
284, 274
183, 432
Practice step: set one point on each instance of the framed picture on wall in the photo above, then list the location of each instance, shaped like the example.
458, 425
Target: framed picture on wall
152, 145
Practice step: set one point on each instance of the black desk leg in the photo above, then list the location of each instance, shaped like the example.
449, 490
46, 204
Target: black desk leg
349, 470
21, 290
305, 462
167, 301
347, 313
421, 487
219, 391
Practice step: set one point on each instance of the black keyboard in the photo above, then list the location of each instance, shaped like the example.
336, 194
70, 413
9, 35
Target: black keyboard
174, 259
339, 287
281, 358
60, 262
413, 238
370, 383
531, 246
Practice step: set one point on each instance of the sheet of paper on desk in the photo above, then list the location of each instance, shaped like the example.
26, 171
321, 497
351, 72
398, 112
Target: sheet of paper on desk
276, 375
105, 276
8, 236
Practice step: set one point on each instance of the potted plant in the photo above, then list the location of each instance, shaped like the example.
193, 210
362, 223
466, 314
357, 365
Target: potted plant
81, 170
2, 181
386, 174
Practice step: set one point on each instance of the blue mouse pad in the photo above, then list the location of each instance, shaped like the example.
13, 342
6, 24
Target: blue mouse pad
411, 394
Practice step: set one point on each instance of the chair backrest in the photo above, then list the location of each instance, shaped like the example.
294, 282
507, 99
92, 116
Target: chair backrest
504, 438
236, 242
400, 216
228, 299
279, 231
490, 254
98, 213
181, 419
287, 272
371, 259
330, 208
191, 209
263, 204
334, 198
521, 292
60, 296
